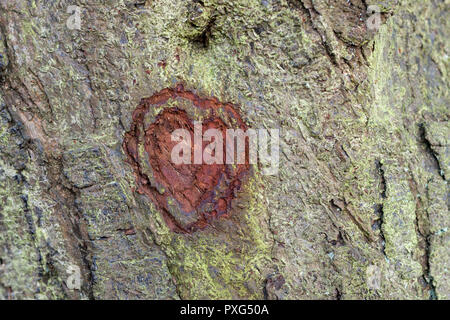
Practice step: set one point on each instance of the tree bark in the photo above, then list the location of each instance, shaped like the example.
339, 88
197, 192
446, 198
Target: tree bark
358, 209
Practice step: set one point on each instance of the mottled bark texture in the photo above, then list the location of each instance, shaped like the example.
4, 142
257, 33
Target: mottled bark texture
358, 210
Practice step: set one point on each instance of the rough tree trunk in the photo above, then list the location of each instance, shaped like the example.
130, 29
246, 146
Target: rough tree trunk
359, 207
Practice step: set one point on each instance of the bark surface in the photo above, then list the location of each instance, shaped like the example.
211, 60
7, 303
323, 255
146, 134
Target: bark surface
358, 209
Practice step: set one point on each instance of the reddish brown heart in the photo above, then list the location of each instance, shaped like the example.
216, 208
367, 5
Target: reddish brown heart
189, 196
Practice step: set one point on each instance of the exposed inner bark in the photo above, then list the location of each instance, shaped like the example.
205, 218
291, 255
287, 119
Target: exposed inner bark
189, 196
